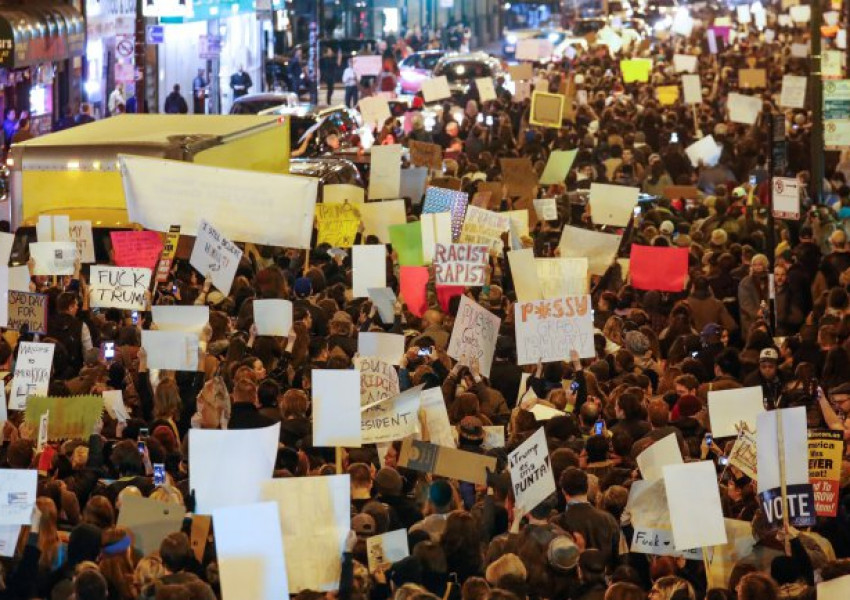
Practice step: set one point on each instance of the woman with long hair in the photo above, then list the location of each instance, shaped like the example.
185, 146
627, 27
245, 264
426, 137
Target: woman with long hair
116, 563
51, 547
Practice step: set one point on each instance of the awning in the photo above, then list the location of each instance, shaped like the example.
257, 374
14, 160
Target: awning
34, 33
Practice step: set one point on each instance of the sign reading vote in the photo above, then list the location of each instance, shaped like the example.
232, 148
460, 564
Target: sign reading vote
119, 287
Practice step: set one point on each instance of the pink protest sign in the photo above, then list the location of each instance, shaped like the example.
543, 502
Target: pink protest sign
136, 248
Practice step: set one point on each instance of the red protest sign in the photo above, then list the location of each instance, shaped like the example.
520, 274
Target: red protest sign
413, 287
136, 248
659, 268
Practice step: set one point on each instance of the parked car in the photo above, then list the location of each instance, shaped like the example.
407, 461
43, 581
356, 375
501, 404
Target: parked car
461, 69
416, 68
330, 170
254, 104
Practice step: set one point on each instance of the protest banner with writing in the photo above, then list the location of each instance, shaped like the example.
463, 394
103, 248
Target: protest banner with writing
273, 317
612, 204
32, 373
215, 255
532, 478
136, 248
378, 380
549, 330
438, 200
81, 233
28, 309
561, 276
338, 224
424, 154
482, 226
71, 417
727, 409
825, 451
743, 455
445, 462
386, 549
119, 287
336, 408
599, 248
17, 496
789, 425
650, 518
692, 492
461, 264
169, 251
659, 268
391, 419
53, 258
474, 335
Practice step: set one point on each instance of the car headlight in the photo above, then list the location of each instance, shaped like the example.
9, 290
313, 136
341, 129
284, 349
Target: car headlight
511, 39
553, 37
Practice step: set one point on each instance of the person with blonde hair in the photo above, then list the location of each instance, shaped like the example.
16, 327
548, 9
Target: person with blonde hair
670, 586
168, 494
148, 570
49, 544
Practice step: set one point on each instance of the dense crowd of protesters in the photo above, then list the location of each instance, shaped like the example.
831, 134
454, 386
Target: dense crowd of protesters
657, 356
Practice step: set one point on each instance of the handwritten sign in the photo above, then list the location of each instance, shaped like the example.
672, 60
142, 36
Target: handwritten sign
532, 478
378, 380
460, 264
474, 335
483, 226
549, 330
423, 154
119, 287
32, 373
169, 251
53, 258
28, 309
70, 417
81, 233
392, 419
743, 455
338, 224
215, 255
136, 248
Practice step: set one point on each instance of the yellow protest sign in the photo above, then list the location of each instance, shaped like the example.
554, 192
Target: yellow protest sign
667, 94
636, 69
73, 417
338, 224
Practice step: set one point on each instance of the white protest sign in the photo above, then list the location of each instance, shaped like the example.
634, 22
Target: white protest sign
367, 64
336, 408
391, 419
800, 50
243, 458
436, 89
81, 233
612, 204
661, 453
9, 535
378, 216
705, 150
598, 248
682, 24
474, 335
189, 319
244, 572
215, 255
694, 501
531, 473
534, 49
801, 13
18, 277
650, 517
385, 172
834, 589
119, 287
375, 111
793, 91
546, 209
161, 193
436, 229
727, 409
486, 91
561, 276
437, 417
743, 109
744, 15
384, 300
273, 316
461, 264
53, 258
692, 89
7, 240
176, 350
389, 347
832, 62
369, 268
55, 228
524, 273
549, 330
542, 412
685, 63
17, 496
786, 197
387, 548
32, 373
315, 518
113, 402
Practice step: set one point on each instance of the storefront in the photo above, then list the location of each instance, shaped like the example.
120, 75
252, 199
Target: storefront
40, 47
109, 59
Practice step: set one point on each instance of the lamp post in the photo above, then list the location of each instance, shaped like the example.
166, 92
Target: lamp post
816, 95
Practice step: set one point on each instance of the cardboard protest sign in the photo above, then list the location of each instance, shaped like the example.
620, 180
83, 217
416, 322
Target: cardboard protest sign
53, 258
692, 491
169, 251
599, 248
436, 89
521, 71
384, 300
315, 518
546, 209
636, 69
826, 449
744, 109
440, 430
386, 549
375, 110
486, 91
793, 91
388, 347
705, 151
681, 191
661, 453
727, 409
752, 79
692, 89
378, 380
215, 255
365, 65
800, 496
482, 226
685, 63
436, 229
561, 276
549, 330
341, 193
650, 518
336, 408
424, 154
150, 521
474, 335
524, 273
445, 462
245, 573
385, 172
136, 248
378, 216
659, 268
17, 496
244, 458
119, 287
546, 109
743, 455
177, 350
532, 479
71, 417
391, 419
27, 309
413, 182
81, 233
667, 94
406, 240
519, 176
612, 204
32, 373
558, 166
413, 287
161, 193
273, 316
461, 264
438, 200
338, 224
